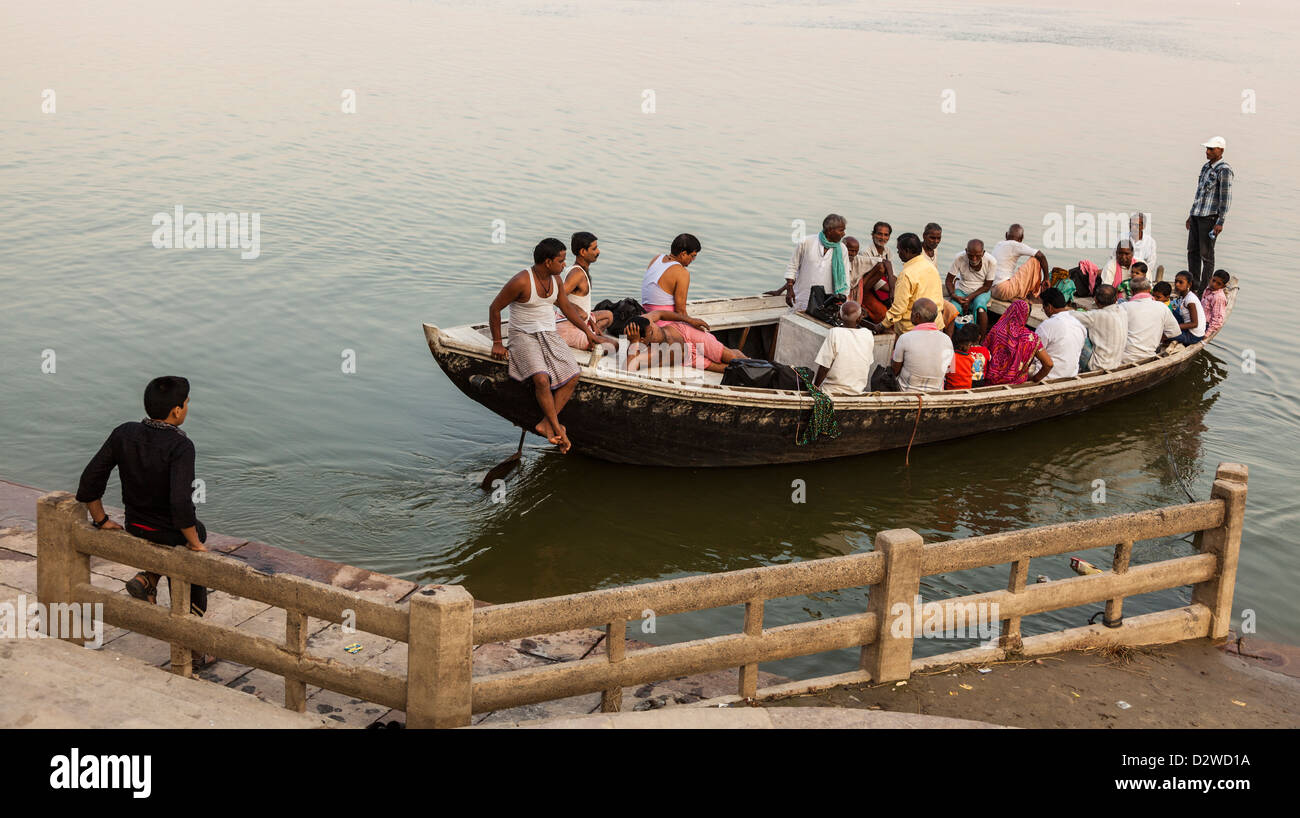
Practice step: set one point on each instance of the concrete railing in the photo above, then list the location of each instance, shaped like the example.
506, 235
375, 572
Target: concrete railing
443, 626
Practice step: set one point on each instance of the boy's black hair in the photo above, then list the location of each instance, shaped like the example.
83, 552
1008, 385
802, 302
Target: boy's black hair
1140, 266
966, 335
162, 394
642, 323
1164, 288
1222, 275
547, 249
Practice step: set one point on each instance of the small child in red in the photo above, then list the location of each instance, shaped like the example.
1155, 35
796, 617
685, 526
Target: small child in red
969, 361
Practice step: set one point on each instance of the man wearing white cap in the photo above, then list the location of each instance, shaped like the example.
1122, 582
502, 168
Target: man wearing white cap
1205, 220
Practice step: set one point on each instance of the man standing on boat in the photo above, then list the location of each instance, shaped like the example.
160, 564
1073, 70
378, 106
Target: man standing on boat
1205, 219
818, 260
919, 279
537, 353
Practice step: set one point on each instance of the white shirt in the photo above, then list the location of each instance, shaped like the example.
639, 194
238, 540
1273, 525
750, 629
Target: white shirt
1144, 249
1108, 328
927, 356
849, 356
968, 280
1007, 253
1184, 315
867, 259
810, 267
1148, 319
1062, 338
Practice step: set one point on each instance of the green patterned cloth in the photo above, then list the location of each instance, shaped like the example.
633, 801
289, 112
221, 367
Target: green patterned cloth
822, 423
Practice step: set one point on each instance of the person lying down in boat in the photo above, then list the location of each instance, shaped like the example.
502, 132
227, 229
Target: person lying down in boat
667, 343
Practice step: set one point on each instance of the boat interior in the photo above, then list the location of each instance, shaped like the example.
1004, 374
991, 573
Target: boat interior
762, 327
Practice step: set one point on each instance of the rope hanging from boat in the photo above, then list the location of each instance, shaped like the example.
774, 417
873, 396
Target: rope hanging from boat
822, 423
907, 457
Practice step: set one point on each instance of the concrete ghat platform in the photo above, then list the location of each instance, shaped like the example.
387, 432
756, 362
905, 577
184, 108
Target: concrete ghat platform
48, 684
18, 579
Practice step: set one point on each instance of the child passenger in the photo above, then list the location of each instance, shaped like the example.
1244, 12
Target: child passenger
969, 361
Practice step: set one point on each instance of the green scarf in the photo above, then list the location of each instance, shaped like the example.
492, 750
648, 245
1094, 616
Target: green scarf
839, 276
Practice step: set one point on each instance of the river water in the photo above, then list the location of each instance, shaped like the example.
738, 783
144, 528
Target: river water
637, 121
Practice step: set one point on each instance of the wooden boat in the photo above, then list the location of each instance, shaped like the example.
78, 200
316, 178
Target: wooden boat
676, 417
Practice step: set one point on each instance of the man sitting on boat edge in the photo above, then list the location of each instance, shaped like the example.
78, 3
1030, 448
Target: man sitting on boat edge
537, 353
577, 286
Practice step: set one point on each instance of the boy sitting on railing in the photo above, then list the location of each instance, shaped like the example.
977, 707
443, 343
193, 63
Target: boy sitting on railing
155, 462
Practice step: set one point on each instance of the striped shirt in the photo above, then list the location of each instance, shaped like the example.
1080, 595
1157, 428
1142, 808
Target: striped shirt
1213, 191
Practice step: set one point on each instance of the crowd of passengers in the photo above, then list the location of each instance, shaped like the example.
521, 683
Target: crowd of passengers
944, 340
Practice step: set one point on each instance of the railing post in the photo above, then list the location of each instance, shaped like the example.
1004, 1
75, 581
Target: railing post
889, 657
611, 700
295, 641
1114, 616
182, 657
440, 658
59, 565
753, 627
1225, 543
1009, 638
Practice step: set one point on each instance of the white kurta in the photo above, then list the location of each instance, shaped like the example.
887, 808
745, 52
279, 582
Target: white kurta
810, 266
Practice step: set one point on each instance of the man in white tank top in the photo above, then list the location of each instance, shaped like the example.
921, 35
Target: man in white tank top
577, 286
537, 353
667, 282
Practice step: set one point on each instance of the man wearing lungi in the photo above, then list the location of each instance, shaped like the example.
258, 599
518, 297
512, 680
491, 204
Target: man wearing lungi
536, 352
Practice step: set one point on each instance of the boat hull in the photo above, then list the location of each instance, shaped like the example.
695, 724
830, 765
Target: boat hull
625, 425
627, 419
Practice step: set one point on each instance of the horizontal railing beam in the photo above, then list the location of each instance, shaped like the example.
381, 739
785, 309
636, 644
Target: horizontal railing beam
532, 685
235, 645
1048, 540
501, 623
228, 574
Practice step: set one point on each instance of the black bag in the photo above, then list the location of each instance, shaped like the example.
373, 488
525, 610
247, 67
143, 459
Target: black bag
761, 374
624, 311
825, 307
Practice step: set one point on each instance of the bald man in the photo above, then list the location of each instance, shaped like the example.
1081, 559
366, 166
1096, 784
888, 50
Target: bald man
846, 357
1011, 282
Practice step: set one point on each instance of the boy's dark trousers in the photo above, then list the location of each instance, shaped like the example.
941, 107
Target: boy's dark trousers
170, 536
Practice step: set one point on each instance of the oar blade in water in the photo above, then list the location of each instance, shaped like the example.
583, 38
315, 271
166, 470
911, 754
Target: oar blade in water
500, 470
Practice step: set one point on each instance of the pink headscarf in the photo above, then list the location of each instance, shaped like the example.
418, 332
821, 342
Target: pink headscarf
1011, 345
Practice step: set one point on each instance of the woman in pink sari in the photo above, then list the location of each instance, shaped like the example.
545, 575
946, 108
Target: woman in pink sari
1013, 346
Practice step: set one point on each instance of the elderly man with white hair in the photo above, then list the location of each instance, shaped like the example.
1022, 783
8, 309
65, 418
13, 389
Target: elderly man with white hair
848, 354
822, 260
923, 355
1148, 319
1144, 244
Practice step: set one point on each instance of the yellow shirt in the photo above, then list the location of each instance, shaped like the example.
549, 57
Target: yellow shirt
918, 279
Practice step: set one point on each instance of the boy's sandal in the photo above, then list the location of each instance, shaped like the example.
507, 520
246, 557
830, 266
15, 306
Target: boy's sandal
139, 587
201, 661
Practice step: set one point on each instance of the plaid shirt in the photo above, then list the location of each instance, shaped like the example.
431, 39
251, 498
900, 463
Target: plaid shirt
1213, 191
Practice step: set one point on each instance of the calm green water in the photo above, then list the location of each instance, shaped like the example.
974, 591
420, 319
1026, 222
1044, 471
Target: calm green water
376, 221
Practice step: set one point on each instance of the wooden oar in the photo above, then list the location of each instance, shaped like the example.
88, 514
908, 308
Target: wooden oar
500, 470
